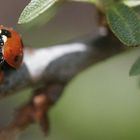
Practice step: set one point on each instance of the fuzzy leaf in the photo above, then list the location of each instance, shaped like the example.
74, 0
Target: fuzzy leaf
125, 24
37, 7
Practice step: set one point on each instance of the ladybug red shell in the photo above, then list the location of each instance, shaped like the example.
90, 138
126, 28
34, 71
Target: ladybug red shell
11, 47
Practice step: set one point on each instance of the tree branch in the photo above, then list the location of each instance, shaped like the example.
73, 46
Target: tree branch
58, 63
48, 70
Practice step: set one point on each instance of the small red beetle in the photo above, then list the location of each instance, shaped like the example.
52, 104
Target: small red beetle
11, 50
11, 47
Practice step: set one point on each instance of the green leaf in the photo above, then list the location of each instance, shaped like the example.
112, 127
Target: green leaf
135, 69
125, 23
37, 7
99, 3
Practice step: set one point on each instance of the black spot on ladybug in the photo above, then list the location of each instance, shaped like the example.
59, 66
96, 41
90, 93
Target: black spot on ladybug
16, 59
6, 33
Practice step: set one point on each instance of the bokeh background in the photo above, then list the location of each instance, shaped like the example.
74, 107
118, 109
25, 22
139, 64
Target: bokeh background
101, 103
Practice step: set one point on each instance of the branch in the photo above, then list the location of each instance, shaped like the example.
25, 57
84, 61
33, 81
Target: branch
58, 63
48, 70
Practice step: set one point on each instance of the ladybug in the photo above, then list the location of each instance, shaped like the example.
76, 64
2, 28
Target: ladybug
11, 48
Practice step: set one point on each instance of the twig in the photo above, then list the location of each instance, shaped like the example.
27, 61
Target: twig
48, 70
58, 63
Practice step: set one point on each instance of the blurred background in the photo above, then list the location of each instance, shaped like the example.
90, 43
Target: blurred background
101, 103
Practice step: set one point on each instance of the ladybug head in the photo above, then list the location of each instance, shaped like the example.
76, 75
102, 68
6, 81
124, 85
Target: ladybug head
11, 47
